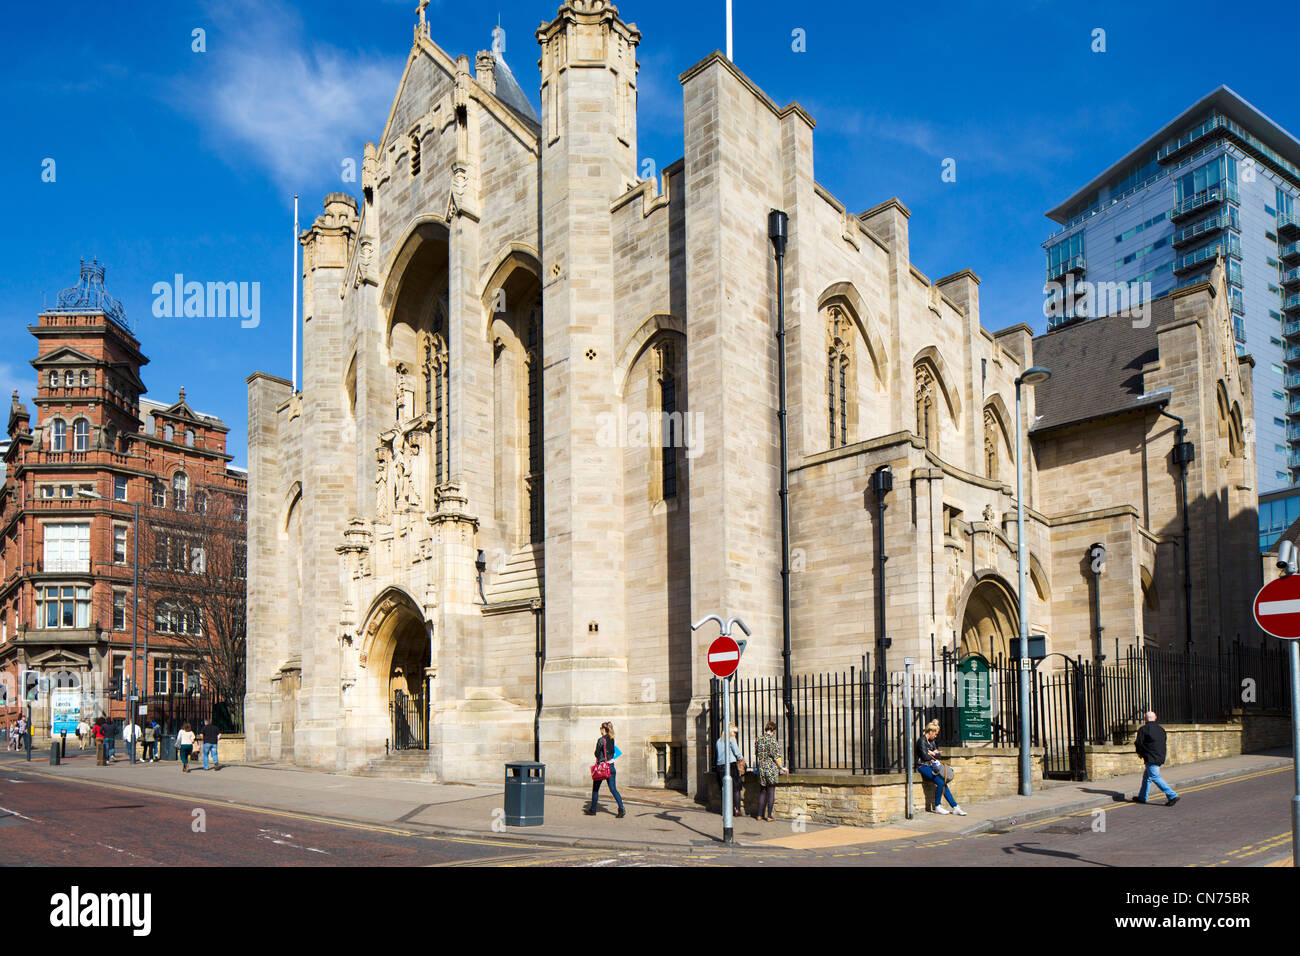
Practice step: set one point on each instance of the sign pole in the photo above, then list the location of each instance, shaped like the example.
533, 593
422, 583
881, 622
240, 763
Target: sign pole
907, 729
1294, 651
728, 824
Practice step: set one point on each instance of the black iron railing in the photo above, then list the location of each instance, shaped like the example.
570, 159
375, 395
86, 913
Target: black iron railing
852, 721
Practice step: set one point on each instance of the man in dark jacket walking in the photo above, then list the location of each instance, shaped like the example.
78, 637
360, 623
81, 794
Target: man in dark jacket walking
1150, 746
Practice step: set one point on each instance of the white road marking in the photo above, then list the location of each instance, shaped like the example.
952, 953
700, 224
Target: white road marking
272, 834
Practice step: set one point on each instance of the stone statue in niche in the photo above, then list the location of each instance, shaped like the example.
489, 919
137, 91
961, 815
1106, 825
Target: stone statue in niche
405, 399
383, 497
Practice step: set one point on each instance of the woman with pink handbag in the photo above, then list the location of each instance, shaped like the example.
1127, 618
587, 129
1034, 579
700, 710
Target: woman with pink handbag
603, 769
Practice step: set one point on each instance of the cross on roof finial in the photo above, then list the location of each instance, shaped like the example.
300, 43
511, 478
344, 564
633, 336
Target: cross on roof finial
420, 10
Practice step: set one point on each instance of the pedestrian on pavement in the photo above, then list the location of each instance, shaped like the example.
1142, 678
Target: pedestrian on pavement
931, 769
25, 736
13, 736
1150, 746
83, 734
767, 758
210, 737
606, 753
110, 741
730, 759
150, 740
185, 744
97, 733
131, 733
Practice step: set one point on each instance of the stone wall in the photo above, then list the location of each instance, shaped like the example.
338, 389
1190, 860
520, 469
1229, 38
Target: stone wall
847, 800
1247, 732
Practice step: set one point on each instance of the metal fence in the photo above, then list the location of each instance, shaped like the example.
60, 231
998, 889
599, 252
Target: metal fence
172, 711
852, 721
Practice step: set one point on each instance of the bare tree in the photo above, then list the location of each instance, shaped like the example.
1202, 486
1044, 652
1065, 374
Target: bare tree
196, 558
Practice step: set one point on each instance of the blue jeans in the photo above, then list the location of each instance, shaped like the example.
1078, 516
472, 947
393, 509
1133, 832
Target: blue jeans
941, 791
595, 789
209, 749
1152, 775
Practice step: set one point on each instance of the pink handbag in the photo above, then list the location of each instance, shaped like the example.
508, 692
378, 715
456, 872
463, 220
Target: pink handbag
601, 769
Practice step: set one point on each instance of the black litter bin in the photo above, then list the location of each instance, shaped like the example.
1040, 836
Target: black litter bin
167, 747
525, 793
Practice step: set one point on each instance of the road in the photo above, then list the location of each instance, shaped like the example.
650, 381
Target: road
1239, 821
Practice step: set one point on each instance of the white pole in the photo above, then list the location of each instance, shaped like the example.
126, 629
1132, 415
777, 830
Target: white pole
729, 57
294, 373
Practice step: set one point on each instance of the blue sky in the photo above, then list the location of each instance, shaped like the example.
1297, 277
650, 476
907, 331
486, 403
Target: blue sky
172, 161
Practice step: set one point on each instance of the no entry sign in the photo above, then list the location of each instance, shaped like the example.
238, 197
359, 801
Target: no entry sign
724, 657
1277, 607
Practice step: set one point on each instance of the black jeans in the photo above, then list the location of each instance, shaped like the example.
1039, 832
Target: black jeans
737, 787
766, 800
595, 789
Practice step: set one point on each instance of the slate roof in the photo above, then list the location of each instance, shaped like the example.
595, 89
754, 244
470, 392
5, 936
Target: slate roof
1096, 368
509, 92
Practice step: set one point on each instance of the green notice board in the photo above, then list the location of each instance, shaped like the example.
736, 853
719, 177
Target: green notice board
974, 700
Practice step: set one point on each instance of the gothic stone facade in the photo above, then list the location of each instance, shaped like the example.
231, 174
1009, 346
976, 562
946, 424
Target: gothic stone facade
517, 348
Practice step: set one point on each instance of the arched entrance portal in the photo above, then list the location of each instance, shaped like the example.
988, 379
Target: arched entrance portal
399, 657
990, 622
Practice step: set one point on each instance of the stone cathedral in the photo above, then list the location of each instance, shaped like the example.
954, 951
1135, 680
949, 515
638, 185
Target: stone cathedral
537, 435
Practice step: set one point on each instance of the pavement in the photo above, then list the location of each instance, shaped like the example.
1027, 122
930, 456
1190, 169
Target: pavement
655, 818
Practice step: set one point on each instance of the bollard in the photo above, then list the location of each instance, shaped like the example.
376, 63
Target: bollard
101, 759
55, 759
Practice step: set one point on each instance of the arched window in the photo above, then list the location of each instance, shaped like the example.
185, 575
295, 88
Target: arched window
927, 413
180, 490
990, 444
54, 380
170, 433
85, 378
159, 495
81, 435
59, 435
533, 479
671, 431
437, 393
189, 437
838, 360
68, 378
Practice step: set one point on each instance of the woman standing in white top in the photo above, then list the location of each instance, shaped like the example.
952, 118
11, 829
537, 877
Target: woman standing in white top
185, 744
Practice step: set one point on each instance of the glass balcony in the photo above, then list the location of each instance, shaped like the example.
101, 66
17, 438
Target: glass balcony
1288, 225
1291, 379
1230, 247
1293, 458
1204, 200
1073, 264
1204, 228
1288, 252
1291, 276
1291, 302
1293, 431
1291, 327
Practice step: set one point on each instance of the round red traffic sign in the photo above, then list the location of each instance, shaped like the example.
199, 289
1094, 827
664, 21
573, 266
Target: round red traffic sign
1277, 607
724, 657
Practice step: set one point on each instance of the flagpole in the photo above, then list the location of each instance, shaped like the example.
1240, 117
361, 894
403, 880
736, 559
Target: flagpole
729, 57
294, 373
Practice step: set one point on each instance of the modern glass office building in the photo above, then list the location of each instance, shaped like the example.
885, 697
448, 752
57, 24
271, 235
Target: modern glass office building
1221, 178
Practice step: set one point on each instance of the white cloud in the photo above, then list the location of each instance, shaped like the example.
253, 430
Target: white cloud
295, 109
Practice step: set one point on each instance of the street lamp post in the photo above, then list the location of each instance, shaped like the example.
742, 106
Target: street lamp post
135, 612
1031, 376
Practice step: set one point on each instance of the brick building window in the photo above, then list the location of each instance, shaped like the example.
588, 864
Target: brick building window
201, 503
81, 435
119, 610
67, 378
119, 488
85, 379
54, 380
67, 547
119, 544
63, 606
59, 435
161, 671
180, 490
189, 437
117, 683
240, 508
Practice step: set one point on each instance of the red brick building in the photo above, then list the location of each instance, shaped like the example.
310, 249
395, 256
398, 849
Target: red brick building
75, 473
